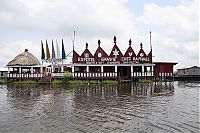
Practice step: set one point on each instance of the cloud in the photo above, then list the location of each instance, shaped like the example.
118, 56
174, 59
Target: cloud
12, 49
89, 17
178, 22
174, 28
175, 31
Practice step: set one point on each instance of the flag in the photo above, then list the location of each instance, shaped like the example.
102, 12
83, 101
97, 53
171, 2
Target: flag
43, 54
58, 50
53, 51
63, 50
47, 51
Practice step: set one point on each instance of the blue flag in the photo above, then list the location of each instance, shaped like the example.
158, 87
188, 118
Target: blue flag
63, 50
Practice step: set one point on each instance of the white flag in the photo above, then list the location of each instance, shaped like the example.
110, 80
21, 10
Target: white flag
58, 51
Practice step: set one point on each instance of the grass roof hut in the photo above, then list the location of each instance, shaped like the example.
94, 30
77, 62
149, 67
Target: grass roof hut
25, 63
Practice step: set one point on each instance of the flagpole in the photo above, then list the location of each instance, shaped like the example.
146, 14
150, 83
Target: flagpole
73, 40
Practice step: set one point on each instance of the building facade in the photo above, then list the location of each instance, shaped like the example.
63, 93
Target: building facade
191, 71
117, 65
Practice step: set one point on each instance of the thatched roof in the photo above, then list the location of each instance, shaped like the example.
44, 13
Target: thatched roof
24, 59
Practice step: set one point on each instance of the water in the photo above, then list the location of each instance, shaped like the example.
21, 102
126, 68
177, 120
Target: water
160, 107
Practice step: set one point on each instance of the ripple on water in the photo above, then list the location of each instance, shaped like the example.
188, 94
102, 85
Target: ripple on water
107, 108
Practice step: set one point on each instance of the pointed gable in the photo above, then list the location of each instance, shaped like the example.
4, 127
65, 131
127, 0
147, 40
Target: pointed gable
141, 53
99, 53
75, 57
130, 52
141, 56
115, 52
86, 57
86, 53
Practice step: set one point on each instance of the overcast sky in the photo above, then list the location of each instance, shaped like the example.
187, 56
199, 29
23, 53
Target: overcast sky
174, 26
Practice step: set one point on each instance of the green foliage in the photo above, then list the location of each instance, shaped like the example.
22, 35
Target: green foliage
2, 80
93, 82
78, 82
56, 81
67, 77
25, 83
109, 82
145, 81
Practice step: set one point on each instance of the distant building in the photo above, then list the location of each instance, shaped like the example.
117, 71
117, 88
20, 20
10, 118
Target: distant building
189, 72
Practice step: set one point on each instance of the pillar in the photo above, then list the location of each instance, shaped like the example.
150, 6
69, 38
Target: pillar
62, 69
52, 68
102, 69
142, 70
72, 69
20, 70
31, 69
8, 69
41, 69
152, 70
115, 69
131, 71
87, 69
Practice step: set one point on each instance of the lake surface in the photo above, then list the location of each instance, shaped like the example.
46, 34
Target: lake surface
155, 107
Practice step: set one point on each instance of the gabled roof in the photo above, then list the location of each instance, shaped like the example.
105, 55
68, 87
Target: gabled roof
141, 53
75, 57
130, 52
86, 53
100, 52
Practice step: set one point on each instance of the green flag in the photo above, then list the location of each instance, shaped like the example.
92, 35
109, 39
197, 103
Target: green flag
43, 54
47, 51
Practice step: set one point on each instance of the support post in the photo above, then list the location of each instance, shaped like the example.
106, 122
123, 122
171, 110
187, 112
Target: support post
102, 74
87, 69
142, 70
41, 69
116, 71
20, 70
102, 69
8, 69
72, 69
31, 70
131, 71
152, 70
62, 69
52, 68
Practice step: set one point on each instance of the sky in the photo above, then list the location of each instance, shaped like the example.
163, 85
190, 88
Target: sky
173, 24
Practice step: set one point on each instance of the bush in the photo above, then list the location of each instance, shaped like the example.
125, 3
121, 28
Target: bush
2, 80
57, 81
145, 81
109, 82
77, 82
67, 77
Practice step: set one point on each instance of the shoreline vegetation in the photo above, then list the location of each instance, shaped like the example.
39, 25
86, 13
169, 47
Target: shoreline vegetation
3, 81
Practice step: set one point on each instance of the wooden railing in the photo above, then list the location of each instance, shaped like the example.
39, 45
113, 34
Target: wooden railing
24, 75
89, 75
142, 74
96, 75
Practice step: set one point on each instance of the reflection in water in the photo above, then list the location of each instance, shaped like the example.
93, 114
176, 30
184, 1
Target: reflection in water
155, 107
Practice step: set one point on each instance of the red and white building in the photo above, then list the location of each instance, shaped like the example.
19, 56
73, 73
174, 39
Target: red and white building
117, 65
